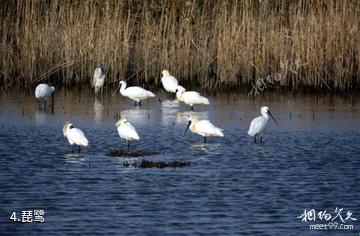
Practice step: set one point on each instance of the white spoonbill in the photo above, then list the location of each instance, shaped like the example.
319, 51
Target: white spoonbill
190, 97
43, 92
169, 82
127, 131
258, 124
98, 79
204, 128
75, 135
135, 93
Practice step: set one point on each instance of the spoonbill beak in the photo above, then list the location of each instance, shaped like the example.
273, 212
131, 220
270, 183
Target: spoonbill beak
187, 127
273, 118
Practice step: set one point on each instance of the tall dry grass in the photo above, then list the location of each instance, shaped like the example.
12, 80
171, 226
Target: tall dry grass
211, 44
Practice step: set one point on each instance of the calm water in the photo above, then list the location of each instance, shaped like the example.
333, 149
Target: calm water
234, 187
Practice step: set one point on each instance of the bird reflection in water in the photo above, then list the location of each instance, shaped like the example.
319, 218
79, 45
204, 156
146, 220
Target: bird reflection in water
169, 111
98, 110
137, 115
183, 117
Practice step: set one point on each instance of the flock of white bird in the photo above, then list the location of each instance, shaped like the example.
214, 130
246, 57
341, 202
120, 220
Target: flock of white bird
127, 131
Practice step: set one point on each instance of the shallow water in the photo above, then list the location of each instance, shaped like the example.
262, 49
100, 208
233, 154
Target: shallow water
310, 161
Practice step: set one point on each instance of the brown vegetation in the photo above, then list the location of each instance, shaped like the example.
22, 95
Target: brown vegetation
157, 164
127, 153
211, 44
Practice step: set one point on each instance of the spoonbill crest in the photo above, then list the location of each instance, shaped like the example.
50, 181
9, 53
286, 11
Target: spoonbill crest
258, 124
43, 92
190, 97
135, 93
98, 79
169, 82
75, 135
204, 128
127, 131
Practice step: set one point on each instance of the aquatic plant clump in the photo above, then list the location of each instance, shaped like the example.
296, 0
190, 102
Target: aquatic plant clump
157, 164
209, 44
126, 153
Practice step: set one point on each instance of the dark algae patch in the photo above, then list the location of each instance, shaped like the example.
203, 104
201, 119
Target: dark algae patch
125, 153
158, 164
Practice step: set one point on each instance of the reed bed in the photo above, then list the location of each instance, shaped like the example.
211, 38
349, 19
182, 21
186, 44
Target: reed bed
207, 44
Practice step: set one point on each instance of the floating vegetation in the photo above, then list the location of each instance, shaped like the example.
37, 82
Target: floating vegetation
158, 164
126, 153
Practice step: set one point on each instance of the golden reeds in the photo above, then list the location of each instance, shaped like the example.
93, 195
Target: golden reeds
211, 44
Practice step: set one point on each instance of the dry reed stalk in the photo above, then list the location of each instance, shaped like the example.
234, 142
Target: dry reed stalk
211, 44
